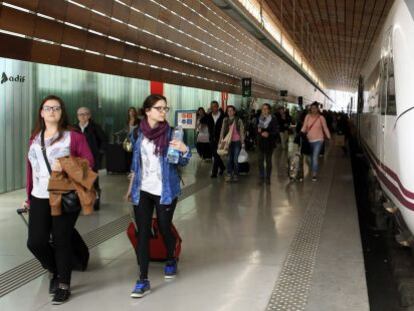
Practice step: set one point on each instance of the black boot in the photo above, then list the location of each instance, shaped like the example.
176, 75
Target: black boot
53, 284
62, 294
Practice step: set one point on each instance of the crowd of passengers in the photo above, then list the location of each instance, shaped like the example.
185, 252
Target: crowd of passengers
63, 161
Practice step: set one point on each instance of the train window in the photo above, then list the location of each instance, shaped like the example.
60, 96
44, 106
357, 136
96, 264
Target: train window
387, 80
383, 87
391, 100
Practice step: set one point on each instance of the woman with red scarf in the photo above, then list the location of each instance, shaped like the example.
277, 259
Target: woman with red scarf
155, 183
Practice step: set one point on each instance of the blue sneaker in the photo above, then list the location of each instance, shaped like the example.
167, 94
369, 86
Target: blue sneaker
170, 269
142, 287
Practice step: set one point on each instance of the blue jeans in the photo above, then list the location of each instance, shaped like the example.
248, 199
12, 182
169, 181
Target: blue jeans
232, 162
316, 147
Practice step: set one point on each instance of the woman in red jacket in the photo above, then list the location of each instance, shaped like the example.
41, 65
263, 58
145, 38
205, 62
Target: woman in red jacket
59, 140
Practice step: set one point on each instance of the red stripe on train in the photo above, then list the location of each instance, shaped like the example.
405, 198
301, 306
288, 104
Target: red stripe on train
387, 182
390, 172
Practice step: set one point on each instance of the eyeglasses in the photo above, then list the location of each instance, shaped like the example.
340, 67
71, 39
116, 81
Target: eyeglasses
159, 109
83, 114
54, 109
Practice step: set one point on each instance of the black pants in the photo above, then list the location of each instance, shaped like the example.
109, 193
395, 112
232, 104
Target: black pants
143, 217
265, 156
204, 150
56, 259
217, 161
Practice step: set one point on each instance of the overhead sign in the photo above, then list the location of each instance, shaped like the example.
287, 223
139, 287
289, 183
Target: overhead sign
247, 87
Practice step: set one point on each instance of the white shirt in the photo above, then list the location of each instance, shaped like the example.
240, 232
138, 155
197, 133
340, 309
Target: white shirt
203, 135
40, 173
83, 127
151, 168
216, 116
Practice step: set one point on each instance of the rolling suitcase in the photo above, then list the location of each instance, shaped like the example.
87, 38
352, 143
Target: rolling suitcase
295, 163
295, 167
158, 251
244, 168
243, 162
80, 256
116, 159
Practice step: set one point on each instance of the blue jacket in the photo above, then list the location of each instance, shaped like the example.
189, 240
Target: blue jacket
170, 178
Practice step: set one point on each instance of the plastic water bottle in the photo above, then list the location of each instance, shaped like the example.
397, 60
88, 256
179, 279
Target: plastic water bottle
174, 154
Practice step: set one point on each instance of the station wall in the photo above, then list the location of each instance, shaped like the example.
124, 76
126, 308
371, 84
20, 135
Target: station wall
25, 84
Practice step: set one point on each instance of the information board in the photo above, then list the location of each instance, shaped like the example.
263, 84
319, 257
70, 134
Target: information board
187, 119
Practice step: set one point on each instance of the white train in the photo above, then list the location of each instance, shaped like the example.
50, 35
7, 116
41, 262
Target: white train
385, 118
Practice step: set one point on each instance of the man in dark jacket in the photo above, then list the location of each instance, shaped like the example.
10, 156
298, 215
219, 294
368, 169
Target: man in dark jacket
215, 122
97, 141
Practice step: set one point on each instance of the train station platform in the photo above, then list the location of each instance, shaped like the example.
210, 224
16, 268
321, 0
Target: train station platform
287, 246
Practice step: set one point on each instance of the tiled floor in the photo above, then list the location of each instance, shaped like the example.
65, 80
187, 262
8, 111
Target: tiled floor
235, 241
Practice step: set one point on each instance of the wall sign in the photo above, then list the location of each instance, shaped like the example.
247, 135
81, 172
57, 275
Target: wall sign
18, 78
186, 118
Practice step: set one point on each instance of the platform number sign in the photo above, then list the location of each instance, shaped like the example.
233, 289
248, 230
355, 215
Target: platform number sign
247, 87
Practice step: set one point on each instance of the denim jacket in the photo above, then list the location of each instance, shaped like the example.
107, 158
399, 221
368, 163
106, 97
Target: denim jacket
170, 178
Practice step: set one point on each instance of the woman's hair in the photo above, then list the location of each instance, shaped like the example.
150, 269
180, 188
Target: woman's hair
63, 124
201, 109
316, 104
232, 107
150, 101
136, 121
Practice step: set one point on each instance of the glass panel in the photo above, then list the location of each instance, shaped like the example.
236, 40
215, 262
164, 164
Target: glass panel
383, 89
391, 99
108, 97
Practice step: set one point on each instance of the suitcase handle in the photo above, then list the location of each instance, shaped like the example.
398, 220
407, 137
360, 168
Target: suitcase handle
21, 211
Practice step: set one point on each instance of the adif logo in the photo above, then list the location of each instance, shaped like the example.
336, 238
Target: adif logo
17, 78
3, 78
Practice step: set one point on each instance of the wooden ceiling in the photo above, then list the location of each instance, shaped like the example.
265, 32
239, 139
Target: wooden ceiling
335, 36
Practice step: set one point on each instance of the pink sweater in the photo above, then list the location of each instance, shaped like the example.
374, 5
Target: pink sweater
317, 130
78, 148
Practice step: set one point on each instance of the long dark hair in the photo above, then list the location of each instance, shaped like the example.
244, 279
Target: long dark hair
150, 101
136, 121
198, 113
63, 124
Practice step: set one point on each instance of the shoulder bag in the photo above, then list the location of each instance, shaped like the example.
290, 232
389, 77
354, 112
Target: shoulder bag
70, 200
305, 144
223, 147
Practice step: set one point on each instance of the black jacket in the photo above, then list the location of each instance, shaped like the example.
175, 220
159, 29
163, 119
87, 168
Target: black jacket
269, 143
97, 140
214, 129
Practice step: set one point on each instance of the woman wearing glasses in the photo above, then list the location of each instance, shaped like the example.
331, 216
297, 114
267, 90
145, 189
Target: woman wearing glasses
155, 183
59, 141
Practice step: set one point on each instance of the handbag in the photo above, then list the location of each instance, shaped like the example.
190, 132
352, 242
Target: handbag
223, 147
127, 144
305, 144
305, 147
243, 156
70, 200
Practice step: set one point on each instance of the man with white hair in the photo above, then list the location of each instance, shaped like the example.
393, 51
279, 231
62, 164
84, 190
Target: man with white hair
97, 142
